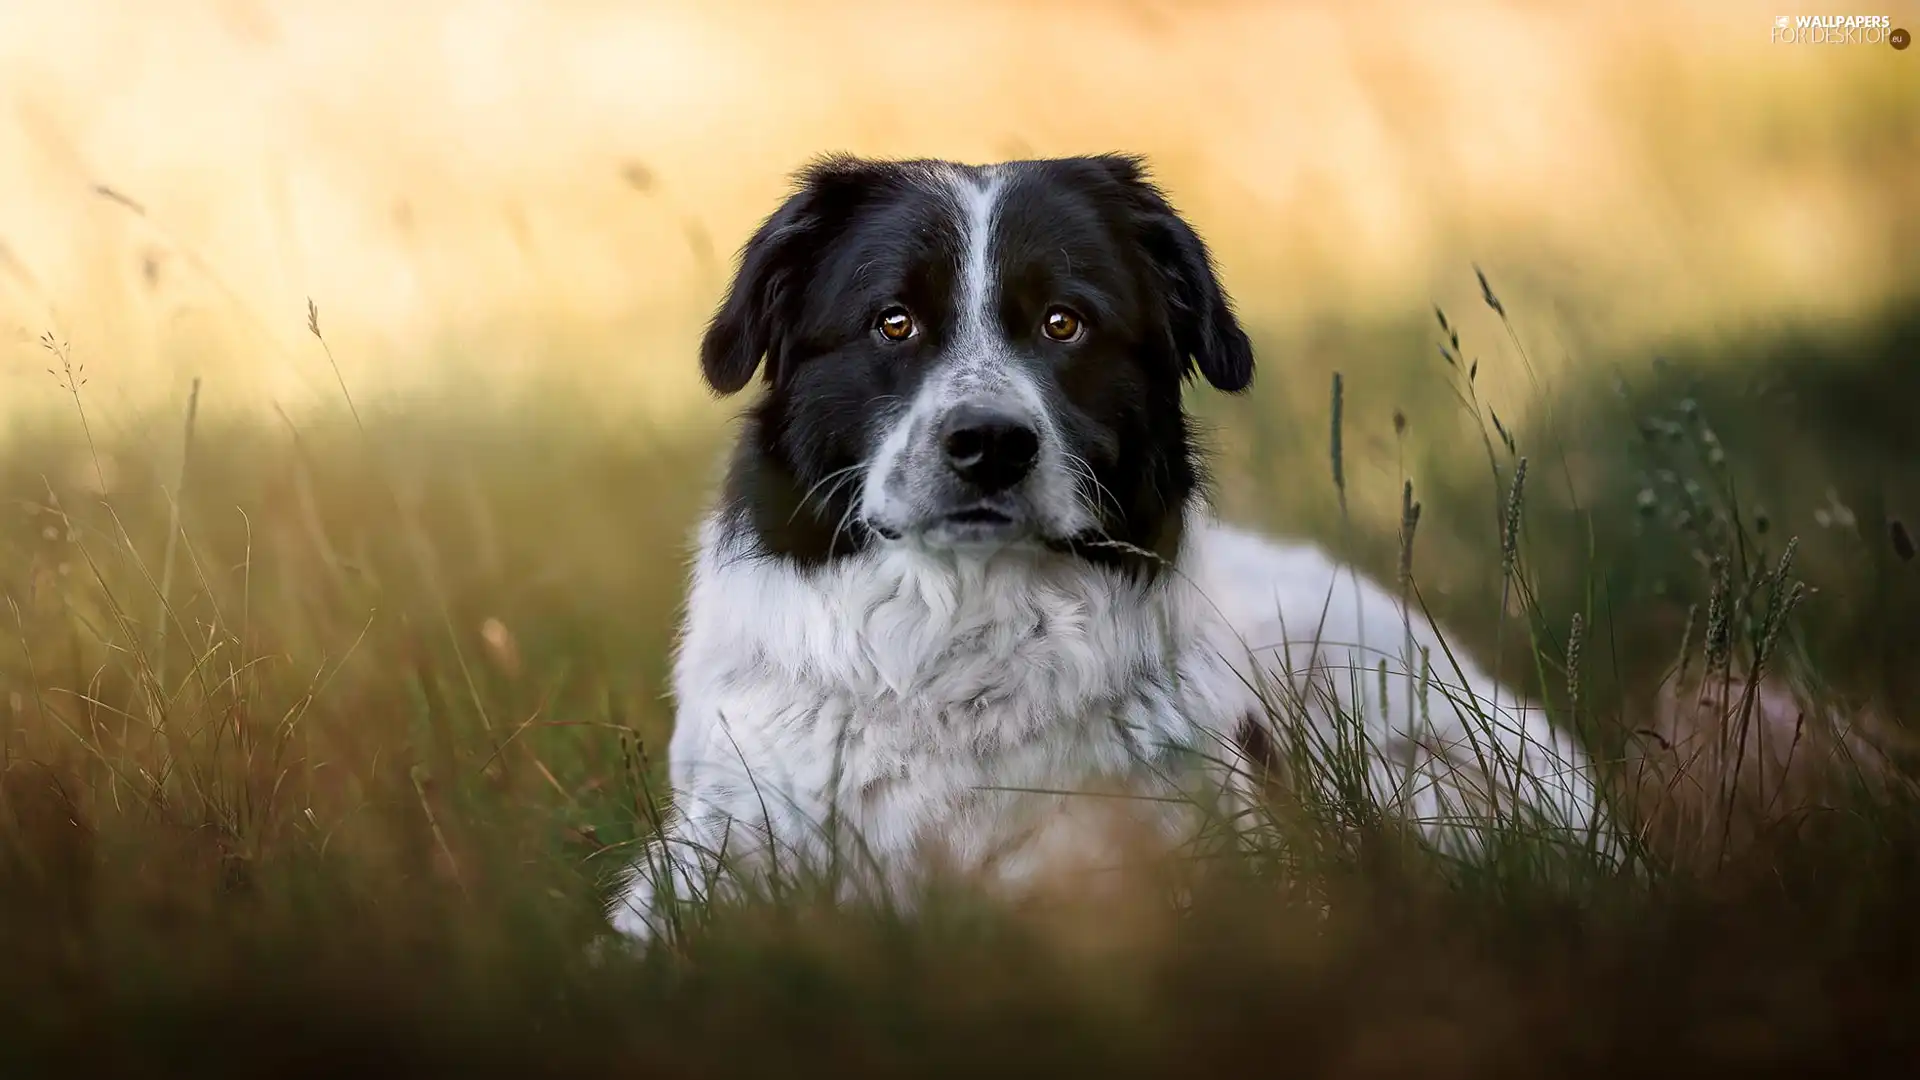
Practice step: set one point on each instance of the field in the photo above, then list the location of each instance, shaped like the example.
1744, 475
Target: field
350, 440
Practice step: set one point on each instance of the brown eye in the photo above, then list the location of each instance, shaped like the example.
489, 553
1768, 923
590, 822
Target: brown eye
895, 324
1062, 325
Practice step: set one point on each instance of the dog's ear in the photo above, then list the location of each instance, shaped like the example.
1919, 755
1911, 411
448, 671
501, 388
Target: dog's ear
1206, 331
761, 302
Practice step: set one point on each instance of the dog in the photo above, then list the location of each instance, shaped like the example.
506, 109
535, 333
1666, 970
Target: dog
962, 566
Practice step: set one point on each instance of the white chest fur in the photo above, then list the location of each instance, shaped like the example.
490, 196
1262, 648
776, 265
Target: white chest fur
918, 708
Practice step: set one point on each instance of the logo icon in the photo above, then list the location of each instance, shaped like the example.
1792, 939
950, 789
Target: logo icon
1782, 22
1900, 39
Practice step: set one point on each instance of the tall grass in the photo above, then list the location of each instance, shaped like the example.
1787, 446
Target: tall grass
326, 740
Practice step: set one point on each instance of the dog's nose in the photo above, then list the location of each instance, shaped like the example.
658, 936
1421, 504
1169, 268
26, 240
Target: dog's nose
988, 448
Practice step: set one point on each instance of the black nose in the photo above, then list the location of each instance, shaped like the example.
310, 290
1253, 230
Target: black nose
989, 449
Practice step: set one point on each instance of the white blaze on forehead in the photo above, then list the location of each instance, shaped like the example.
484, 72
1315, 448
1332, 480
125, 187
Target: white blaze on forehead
979, 363
977, 195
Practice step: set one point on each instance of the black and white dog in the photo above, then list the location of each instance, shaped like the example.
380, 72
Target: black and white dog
962, 565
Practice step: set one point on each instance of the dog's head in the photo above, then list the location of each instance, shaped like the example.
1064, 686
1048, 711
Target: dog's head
968, 357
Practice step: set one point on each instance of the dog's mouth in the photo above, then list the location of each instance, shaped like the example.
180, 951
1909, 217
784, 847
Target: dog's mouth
979, 515
968, 526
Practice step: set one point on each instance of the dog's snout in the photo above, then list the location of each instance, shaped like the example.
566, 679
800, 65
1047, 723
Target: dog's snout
989, 448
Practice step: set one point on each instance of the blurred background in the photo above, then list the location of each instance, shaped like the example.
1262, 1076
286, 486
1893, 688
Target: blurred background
548, 189
512, 218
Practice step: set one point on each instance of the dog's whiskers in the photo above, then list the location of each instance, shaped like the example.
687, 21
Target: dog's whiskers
1080, 467
832, 481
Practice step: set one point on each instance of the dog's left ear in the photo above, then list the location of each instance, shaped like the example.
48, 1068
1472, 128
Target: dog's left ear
1205, 329
755, 319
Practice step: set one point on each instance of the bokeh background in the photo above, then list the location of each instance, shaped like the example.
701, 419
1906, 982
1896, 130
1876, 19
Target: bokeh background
547, 189
512, 218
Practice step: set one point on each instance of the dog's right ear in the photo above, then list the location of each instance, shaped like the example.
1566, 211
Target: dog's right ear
761, 303
1205, 329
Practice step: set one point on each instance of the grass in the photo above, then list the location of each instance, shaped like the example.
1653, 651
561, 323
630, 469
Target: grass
324, 738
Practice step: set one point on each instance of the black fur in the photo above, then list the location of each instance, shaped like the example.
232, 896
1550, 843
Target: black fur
857, 235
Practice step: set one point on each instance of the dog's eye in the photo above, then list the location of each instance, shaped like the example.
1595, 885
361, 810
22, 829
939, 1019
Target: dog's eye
895, 324
1062, 325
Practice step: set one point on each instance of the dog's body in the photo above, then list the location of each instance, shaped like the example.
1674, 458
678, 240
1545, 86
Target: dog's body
963, 567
